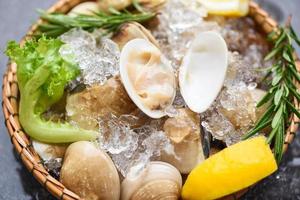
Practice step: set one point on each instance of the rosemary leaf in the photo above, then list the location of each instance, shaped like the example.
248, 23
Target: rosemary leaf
272, 134
295, 93
58, 23
257, 129
278, 96
283, 90
273, 53
295, 111
265, 99
295, 73
277, 116
280, 39
294, 36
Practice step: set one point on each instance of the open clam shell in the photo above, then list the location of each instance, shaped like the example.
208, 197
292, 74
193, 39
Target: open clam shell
148, 77
203, 70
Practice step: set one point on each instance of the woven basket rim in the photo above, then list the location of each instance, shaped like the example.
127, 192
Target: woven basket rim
21, 142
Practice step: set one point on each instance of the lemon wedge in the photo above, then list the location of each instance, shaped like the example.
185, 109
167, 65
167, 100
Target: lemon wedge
232, 169
236, 8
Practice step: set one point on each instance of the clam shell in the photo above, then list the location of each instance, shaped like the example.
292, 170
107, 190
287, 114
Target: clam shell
105, 5
159, 180
148, 77
90, 173
153, 5
49, 151
86, 8
203, 70
130, 31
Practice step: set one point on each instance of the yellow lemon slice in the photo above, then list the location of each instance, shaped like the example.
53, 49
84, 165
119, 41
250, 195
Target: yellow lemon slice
226, 7
230, 170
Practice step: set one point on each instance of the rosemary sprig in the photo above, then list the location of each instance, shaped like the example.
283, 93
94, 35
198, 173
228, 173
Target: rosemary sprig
283, 90
58, 24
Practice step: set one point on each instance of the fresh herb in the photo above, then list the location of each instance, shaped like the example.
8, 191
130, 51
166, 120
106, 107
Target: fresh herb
58, 24
283, 88
42, 76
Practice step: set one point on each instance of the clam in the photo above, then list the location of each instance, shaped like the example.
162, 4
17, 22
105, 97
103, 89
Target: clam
86, 8
105, 5
89, 172
130, 31
152, 4
158, 180
148, 77
184, 132
49, 151
203, 70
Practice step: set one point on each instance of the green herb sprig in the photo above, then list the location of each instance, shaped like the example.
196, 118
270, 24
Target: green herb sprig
282, 91
58, 24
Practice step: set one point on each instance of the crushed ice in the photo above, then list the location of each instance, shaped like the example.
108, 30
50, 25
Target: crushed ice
132, 148
97, 57
232, 114
180, 21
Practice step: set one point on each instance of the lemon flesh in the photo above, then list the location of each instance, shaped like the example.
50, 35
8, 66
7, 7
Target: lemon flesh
226, 7
230, 170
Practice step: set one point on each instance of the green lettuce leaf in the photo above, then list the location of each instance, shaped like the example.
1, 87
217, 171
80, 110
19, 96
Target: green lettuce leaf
42, 76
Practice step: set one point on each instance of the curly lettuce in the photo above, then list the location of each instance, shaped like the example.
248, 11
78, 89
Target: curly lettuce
42, 75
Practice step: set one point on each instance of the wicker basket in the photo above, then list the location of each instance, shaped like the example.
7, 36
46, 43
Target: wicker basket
20, 140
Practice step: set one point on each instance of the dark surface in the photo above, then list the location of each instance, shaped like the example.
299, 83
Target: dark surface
16, 183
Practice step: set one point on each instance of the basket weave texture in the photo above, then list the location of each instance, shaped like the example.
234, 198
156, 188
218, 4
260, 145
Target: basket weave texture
21, 141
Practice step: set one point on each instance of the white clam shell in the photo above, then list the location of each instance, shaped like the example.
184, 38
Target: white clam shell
203, 70
159, 180
49, 151
138, 47
85, 8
